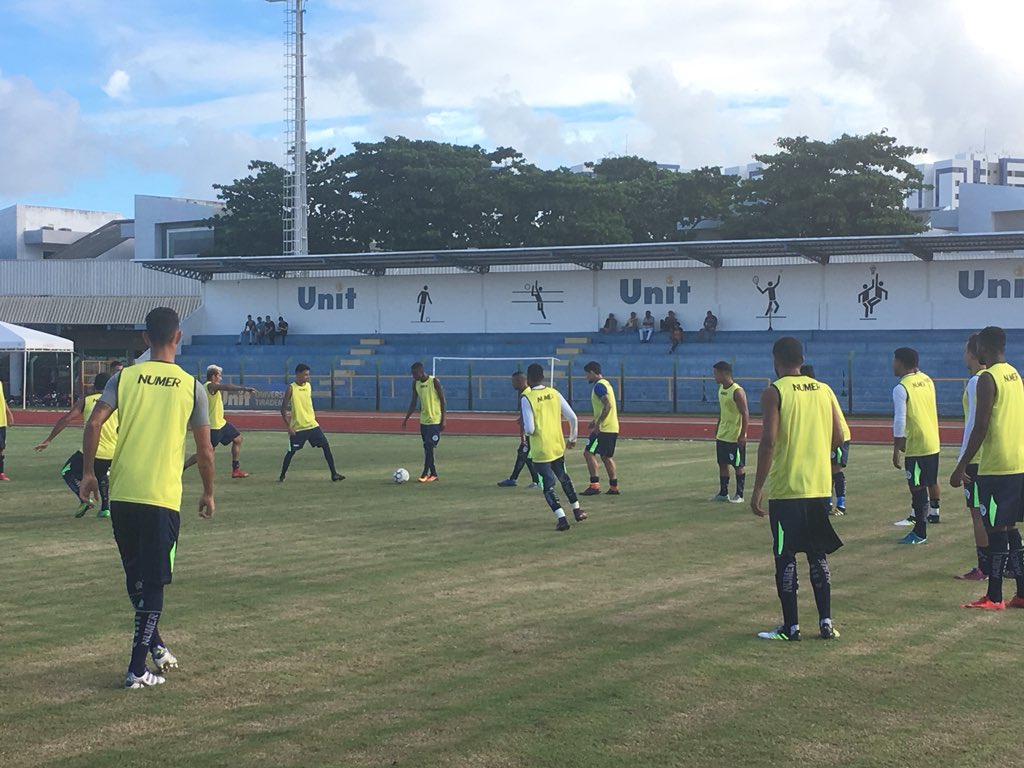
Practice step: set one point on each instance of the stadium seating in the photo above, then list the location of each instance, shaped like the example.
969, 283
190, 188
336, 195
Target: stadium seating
373, 372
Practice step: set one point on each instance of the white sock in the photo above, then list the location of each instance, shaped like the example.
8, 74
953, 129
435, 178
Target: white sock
576, 504
560, 513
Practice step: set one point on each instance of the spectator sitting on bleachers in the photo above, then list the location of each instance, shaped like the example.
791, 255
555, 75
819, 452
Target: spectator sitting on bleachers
710, 326
670, 322
647, 327
676, 337
260, 329
282, 329
632, 324
271, 330
611, 325
249, 331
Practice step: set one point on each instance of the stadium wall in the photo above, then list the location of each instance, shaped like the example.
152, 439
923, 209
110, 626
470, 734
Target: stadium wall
863, 296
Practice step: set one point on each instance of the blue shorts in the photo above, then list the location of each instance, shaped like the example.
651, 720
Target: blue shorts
802, 525
841, 455
971, 487
431, 434
922, 471
602, 443
731, 454
225, 435
147, 539
1000, 498
315, 437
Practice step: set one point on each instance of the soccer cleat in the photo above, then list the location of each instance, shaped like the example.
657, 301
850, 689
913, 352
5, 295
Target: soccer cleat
563, 524
837, 512
429, 479
841, 504
533, 485
4, 478
779, 633
239, 473
336, 477
84, 507
1015, 602
737, 499
163, 659
146, 680
580, 515
280, 479
720, 497
985, 604
913, 538
508, 482
933, 518
103, 513
974, 574
592, 490
828, 632
613, 491
905, 521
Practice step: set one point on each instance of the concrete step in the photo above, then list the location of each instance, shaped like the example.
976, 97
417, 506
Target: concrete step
362, 351
577, 340
351, 363
371, 342
568, 350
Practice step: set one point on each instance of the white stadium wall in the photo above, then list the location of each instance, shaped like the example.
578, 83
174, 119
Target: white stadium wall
898, 295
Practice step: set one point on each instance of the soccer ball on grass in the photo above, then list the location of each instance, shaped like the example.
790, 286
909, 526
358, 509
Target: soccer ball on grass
400, 475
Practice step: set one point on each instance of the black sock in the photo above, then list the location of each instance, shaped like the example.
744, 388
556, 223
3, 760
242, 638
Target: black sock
786, 586
595, 480
1015, 563
934, 505
147, 614
330, 459
983, 560
919, 498
1, 462
999, 552
234, 465
839, 480
613, 482
723, 485
287, 461
821, 582
741, 480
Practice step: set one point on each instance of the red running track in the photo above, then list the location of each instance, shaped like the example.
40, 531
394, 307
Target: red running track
864, 431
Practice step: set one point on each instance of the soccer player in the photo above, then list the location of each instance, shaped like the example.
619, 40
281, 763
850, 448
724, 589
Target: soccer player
523, 457
156, 402
222, 431
731, 435
302, 424
6, 417
604, 432
915, 431
543, 409
800, 430
970, 398
998, 426
841, 455
427, 390
71, 472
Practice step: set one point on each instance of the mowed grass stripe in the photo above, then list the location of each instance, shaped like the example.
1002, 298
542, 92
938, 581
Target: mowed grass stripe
363, 623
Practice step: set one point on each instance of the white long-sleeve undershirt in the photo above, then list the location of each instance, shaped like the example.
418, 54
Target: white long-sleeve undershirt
529, 425
899, 409
972, 401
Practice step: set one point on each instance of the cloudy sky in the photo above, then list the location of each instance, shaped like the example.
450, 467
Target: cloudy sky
102, 99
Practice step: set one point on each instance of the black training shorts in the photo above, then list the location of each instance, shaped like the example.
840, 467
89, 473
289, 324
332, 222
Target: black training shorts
802, 525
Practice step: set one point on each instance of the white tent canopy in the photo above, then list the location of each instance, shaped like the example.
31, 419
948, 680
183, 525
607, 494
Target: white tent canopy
16, 338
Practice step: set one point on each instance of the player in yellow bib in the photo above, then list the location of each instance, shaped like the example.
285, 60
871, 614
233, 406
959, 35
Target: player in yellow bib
543, 408
302, 424
6, 417
157, 402
800, 430
731, 434
222, 432
428, 392
841, 455
523, 456
970, 399
604, 431
996, 435
71, 472
915, 430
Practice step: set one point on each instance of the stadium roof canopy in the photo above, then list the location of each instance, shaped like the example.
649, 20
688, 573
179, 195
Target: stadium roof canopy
714, 253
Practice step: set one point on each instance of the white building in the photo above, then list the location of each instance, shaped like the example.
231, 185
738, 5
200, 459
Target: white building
945, 177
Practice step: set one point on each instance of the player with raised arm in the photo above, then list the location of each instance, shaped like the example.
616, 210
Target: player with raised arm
731, 434
970, 399
800, 430
523, 457
543, 409
71, 472
915, 431
996, 433
428, 392
604, 432
300, 418
156, 402
222, 431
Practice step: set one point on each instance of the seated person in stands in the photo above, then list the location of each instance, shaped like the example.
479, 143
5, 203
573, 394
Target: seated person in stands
632, 324
670, 322
710, 326
647, 327
282, 329
676, 337
271, 330
611, 325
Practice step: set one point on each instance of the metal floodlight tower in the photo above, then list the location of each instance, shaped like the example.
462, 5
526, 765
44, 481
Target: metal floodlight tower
296, 206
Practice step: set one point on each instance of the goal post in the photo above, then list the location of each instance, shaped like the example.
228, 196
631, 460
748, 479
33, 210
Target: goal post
482, 383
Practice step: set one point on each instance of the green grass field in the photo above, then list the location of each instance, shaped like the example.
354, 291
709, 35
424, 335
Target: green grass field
370, 624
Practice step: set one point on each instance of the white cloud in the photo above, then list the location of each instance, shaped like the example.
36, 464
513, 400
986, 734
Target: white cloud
118, 84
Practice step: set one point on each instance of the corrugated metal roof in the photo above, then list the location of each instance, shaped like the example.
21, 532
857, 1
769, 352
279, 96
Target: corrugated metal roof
92, 310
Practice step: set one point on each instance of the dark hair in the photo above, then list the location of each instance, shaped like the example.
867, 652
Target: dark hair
534, 373
592, 367
115, 364
992, 339
788, 351
907, 356
517, 374
807, 370
972, 346
100, 381
722, 366
161, 325
301, 367
417, 366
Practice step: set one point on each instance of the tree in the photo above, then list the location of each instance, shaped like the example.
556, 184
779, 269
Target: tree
854, 185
